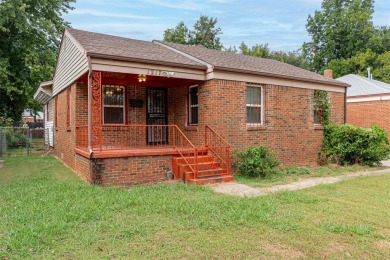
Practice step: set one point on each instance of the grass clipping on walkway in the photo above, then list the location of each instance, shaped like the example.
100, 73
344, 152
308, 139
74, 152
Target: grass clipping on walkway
47, 213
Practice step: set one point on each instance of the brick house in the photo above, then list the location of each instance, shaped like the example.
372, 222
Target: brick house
368, 102
127, 112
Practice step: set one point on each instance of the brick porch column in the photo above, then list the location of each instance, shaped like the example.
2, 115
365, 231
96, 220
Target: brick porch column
96, 120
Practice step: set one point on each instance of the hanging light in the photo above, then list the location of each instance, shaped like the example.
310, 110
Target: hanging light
141, 77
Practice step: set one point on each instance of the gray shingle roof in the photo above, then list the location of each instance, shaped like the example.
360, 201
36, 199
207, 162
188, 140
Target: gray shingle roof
102, 45
362, 86
108, 45
231, 61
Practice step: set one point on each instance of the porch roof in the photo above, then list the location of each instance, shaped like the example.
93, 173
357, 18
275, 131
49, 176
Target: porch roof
44, 92
120, 48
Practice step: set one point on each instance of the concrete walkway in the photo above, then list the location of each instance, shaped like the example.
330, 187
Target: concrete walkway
243, 190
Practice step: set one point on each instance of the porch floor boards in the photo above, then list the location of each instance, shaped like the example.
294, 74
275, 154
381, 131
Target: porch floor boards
135, 151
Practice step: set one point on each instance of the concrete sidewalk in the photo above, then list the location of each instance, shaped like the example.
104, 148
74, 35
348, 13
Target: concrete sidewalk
243, 190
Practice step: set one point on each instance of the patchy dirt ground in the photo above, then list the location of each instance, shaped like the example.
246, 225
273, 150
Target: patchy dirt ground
243, 190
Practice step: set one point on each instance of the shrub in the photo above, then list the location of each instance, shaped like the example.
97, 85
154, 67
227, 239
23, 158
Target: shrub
346, 145
14, 138
257, 162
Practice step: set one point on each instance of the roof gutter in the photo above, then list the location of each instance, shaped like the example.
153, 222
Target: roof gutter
338, 84
121, 58
345, 105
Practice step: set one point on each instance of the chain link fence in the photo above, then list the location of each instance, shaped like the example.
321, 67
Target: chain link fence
22, 141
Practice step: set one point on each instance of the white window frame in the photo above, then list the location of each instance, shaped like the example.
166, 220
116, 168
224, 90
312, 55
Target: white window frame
123, 105
261, 123
192, 105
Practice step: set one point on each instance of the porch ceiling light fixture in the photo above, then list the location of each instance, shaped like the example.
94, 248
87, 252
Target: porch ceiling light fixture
109, 91
141, 77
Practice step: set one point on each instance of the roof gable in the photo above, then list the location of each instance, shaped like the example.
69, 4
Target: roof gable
102, 45
72, 63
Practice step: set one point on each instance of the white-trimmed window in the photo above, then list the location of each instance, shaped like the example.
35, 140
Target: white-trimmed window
193, 105
113, 104
254, 105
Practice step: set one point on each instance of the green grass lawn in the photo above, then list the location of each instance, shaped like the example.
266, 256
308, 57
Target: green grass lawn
292, 174
46, 212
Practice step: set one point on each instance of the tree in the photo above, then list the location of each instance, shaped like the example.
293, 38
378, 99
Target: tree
340, 30
205, 33
295, 58
383, 71
258, 50
179, 34
379, 65
29, 39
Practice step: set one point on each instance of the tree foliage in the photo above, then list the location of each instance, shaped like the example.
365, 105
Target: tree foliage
205, 33
29, 38
295, 58
341, 30
379, 65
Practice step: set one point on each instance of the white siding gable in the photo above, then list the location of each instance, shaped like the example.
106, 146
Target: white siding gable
72, 63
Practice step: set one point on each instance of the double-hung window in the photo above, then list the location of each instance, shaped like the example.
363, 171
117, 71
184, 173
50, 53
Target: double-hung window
113, 104
254, 106
193, 105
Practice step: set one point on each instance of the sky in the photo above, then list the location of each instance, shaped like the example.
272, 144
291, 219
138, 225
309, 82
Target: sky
280, 23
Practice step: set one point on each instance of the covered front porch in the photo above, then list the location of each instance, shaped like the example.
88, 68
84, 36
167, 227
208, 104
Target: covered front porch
145, 115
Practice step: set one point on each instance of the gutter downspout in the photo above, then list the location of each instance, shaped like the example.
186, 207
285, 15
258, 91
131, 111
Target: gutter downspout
90, 108
345, 105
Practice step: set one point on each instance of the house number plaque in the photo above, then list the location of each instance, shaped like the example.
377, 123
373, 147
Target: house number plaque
161, 73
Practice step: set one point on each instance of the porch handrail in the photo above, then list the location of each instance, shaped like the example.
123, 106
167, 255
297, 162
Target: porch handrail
123, 137
183, 142
218, 146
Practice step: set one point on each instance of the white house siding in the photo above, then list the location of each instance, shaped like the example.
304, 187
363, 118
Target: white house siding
49, 133
50, 109
71, 64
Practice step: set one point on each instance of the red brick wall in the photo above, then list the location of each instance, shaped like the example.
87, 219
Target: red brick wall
366, 114
64, 136
289, 128
337, 107
83, 167
132, 171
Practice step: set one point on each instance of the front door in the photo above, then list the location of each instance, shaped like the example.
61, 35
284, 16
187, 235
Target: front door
156, 114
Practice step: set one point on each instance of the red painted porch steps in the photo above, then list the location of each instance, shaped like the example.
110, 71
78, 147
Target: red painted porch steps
209, 171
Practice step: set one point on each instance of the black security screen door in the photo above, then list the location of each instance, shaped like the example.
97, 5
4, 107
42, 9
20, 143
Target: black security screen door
156, 114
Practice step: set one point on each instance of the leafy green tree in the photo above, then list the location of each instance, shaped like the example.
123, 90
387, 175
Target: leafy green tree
258, 50
382, 72
179, 34
231, 49
379, 65
342, 29
205, 33
29, 38
295, 58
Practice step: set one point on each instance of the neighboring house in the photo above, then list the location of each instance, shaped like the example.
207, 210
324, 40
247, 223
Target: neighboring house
129, 112
44, 96
368, 102
28, 116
